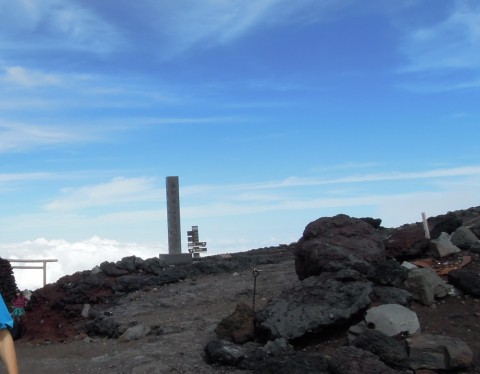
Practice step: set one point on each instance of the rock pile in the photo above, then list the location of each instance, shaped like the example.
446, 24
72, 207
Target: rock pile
352, 278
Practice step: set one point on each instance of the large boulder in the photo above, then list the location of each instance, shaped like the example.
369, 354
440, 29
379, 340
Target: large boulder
465, 239
388, 273
425, 285
447, 223
406, 242
392, 320
223, 352
442, 246
335, 243
475, 228
312, 305
390, 350
466, 280
438, 352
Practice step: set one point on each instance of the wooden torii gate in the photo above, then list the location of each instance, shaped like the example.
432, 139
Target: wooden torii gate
44, 266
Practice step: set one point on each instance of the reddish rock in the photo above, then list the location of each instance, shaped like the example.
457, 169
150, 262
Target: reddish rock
406, 242
239, 327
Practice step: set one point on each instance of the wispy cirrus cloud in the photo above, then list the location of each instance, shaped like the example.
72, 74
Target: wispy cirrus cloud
54, 24
452, 44
120, 190
115, 192
445, 56
19, 136
17, 75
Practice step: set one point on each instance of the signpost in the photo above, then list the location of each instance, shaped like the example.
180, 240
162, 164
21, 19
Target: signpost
195, 246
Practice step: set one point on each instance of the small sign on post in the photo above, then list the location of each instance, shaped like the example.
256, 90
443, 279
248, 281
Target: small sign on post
195, 246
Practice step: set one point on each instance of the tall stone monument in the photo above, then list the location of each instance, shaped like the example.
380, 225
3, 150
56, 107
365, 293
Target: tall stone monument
175, 255
173, 216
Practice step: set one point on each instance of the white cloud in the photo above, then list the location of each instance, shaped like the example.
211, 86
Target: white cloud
292, 182
117, 191
71, 256
450, 44
18, 136
55, 24
20, 177
18, 75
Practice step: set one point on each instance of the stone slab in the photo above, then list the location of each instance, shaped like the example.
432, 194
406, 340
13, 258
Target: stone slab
176, 258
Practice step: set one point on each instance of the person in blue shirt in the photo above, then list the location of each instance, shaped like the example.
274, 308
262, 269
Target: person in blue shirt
7, 347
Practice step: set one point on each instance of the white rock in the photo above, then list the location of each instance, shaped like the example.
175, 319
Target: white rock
392, 319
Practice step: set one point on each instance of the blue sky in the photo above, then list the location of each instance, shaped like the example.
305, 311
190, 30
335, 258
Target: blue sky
272, 113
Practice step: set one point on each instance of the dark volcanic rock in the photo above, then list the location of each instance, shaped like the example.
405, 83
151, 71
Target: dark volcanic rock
391, 295
332, 244
465, 280
388, 273
465, 239
152, 266
438, 352
351, 360
388, 349
7, 281
374, 222
447, 223
110, 269
476, 229
293, 363
314, 304
224, 353
102, 326
129, 264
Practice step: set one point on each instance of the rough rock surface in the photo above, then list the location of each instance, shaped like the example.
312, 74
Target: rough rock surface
391, 351
438, 352
466, 280
7, 281
353, 360
332, 244
406, 242
239, 327
314, 304
425, 285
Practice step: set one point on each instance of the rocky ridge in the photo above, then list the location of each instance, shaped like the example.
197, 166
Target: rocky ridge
310, 311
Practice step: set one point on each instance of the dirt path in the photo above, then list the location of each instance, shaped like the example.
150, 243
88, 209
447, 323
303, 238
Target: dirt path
183, 316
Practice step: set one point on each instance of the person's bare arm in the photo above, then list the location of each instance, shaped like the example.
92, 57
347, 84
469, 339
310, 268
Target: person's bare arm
7, 352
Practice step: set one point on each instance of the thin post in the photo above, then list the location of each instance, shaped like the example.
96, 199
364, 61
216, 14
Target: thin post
425, 225
44, 273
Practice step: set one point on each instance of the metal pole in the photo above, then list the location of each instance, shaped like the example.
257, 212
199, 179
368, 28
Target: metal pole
255, 275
